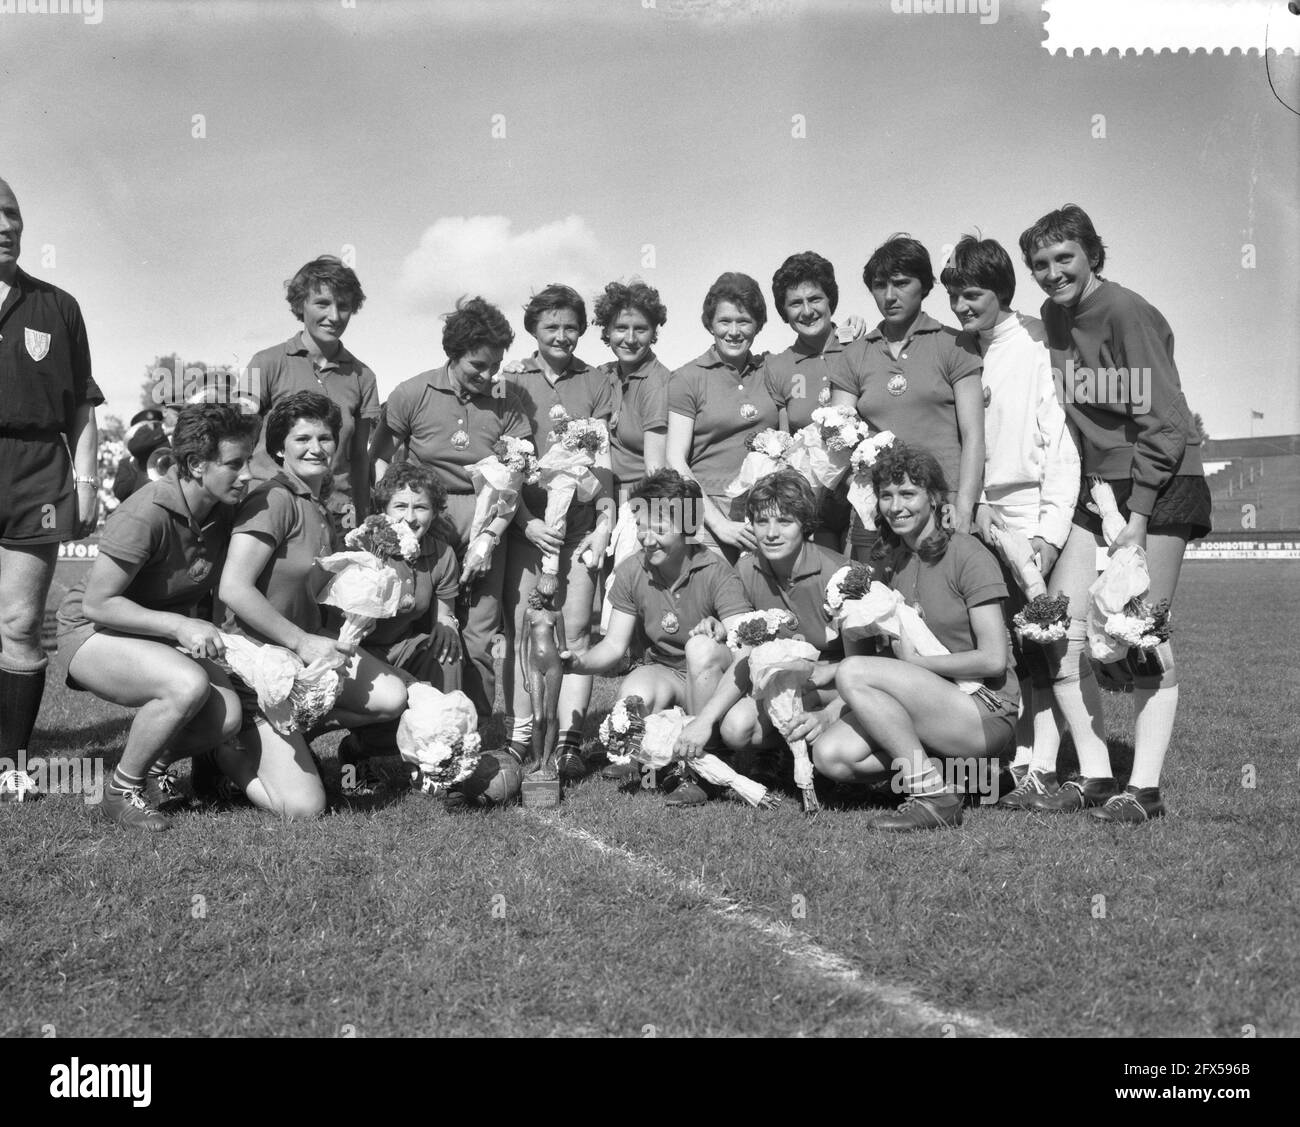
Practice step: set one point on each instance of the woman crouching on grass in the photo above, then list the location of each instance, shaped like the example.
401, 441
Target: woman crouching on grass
907, 713
670, 589
128, 633
1140, 437
790, 572
268, 588
420, 644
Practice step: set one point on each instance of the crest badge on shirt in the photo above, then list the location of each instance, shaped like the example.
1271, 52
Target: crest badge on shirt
38, 344
897, 384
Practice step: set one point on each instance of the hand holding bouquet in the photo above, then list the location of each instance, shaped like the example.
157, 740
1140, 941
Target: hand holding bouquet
1044, 620
365, 587
1019, 557
862, 494
438, 736
291, 695
1103, 497
659, 748
1120, 618
769, 451
778, 672
497, 481
566, 473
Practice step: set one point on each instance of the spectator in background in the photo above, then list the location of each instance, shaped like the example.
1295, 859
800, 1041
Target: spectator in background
144, 436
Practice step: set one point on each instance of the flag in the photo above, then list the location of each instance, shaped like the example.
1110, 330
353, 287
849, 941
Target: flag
1257, 414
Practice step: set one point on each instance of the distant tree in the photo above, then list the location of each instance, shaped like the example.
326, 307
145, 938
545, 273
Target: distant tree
1200, 427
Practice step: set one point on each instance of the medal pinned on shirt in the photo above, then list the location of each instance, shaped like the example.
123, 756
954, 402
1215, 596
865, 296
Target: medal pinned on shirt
897, 384
824, 396
200, 569
670, 623
460, 440
748, 411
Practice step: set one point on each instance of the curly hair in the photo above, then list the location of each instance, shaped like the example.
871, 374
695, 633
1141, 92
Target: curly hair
553, 297
739, 289
301, 405
637, 295
900, 254
408, 475
983, 263
808, 266
788, 495
202, 427
475, 324
897, 461
667, 493
1069, 223
325, 272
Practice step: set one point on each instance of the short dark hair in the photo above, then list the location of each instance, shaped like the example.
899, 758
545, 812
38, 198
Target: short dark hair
900, 254
739, 289
983, 263
634, 295
683, 495
807, 266
325, 272
309, 405
896, 461
475, 324
202, 427
553, 297
408, 475
1069, 223
789, 494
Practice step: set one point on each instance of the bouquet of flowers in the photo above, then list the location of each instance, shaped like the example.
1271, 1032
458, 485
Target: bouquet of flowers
438, 736
291, 695
622, 729
852, 581
778, 672
759, 626
658, 749
385, 538
368, 585
862, 494
497, 481
769, 451
1044, 620
1120, 618
824, 446
1103, 498
1020, 558
883, 611
566, 473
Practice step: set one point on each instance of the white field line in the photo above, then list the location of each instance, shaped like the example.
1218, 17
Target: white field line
809, 955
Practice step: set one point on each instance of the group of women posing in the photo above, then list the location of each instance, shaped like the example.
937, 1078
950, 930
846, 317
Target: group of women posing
985, 434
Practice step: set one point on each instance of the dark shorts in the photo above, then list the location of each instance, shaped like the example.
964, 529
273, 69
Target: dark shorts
38, 504
999, 733
1185, 500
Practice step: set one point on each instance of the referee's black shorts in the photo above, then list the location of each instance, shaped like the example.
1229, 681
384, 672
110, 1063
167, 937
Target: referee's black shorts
38, 503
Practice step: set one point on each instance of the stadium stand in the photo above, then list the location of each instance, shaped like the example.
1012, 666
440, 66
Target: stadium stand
1255, 483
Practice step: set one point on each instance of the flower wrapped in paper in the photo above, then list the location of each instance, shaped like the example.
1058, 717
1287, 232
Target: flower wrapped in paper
823, 448
658, 749
624, 542
852, 581
366, 589
862, 494
621, 731
1020, 559
1103, 498
758, 626
291, 695
778, 673
496, 481
395, 543
1120, 618
1044, 620
438, 736
566, 473
769, 451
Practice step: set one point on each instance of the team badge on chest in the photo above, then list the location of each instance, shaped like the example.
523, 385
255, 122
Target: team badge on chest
897, 384
669, 623
200, 569
460, 440
38, 344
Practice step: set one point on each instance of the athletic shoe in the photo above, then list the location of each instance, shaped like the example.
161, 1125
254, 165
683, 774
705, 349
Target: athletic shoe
923, 812
1131, 805
1031, 783
1073, 796
621, 772
690, 793
131, 809
570, 765
160, 786
18, 786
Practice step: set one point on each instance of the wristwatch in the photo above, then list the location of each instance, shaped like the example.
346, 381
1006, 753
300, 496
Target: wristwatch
93, 482
496, 536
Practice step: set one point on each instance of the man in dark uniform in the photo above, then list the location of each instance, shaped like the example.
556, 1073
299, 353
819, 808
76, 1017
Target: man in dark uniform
144, 436
48, 451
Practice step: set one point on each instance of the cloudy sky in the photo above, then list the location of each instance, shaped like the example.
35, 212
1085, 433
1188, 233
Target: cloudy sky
493, 146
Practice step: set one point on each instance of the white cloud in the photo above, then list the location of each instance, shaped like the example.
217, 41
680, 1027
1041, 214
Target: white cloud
481, 254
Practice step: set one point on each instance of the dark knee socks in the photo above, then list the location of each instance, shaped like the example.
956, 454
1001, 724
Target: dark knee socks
22, 684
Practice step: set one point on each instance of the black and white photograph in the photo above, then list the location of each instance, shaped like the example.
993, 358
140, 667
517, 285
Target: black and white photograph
649, 519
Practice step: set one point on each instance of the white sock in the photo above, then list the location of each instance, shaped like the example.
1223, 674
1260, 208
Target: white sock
929, 780
1047, 732
1079, 699
1153, 725
521, 729
1025, 726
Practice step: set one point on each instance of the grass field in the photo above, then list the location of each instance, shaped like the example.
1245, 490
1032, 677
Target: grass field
615, 916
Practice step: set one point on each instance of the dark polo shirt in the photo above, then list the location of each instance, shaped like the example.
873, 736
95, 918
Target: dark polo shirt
714, 396
912, 396
44, 359
426, 412
640, 405
285, 368
176, 563
706, 587
799, 380
803, 594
